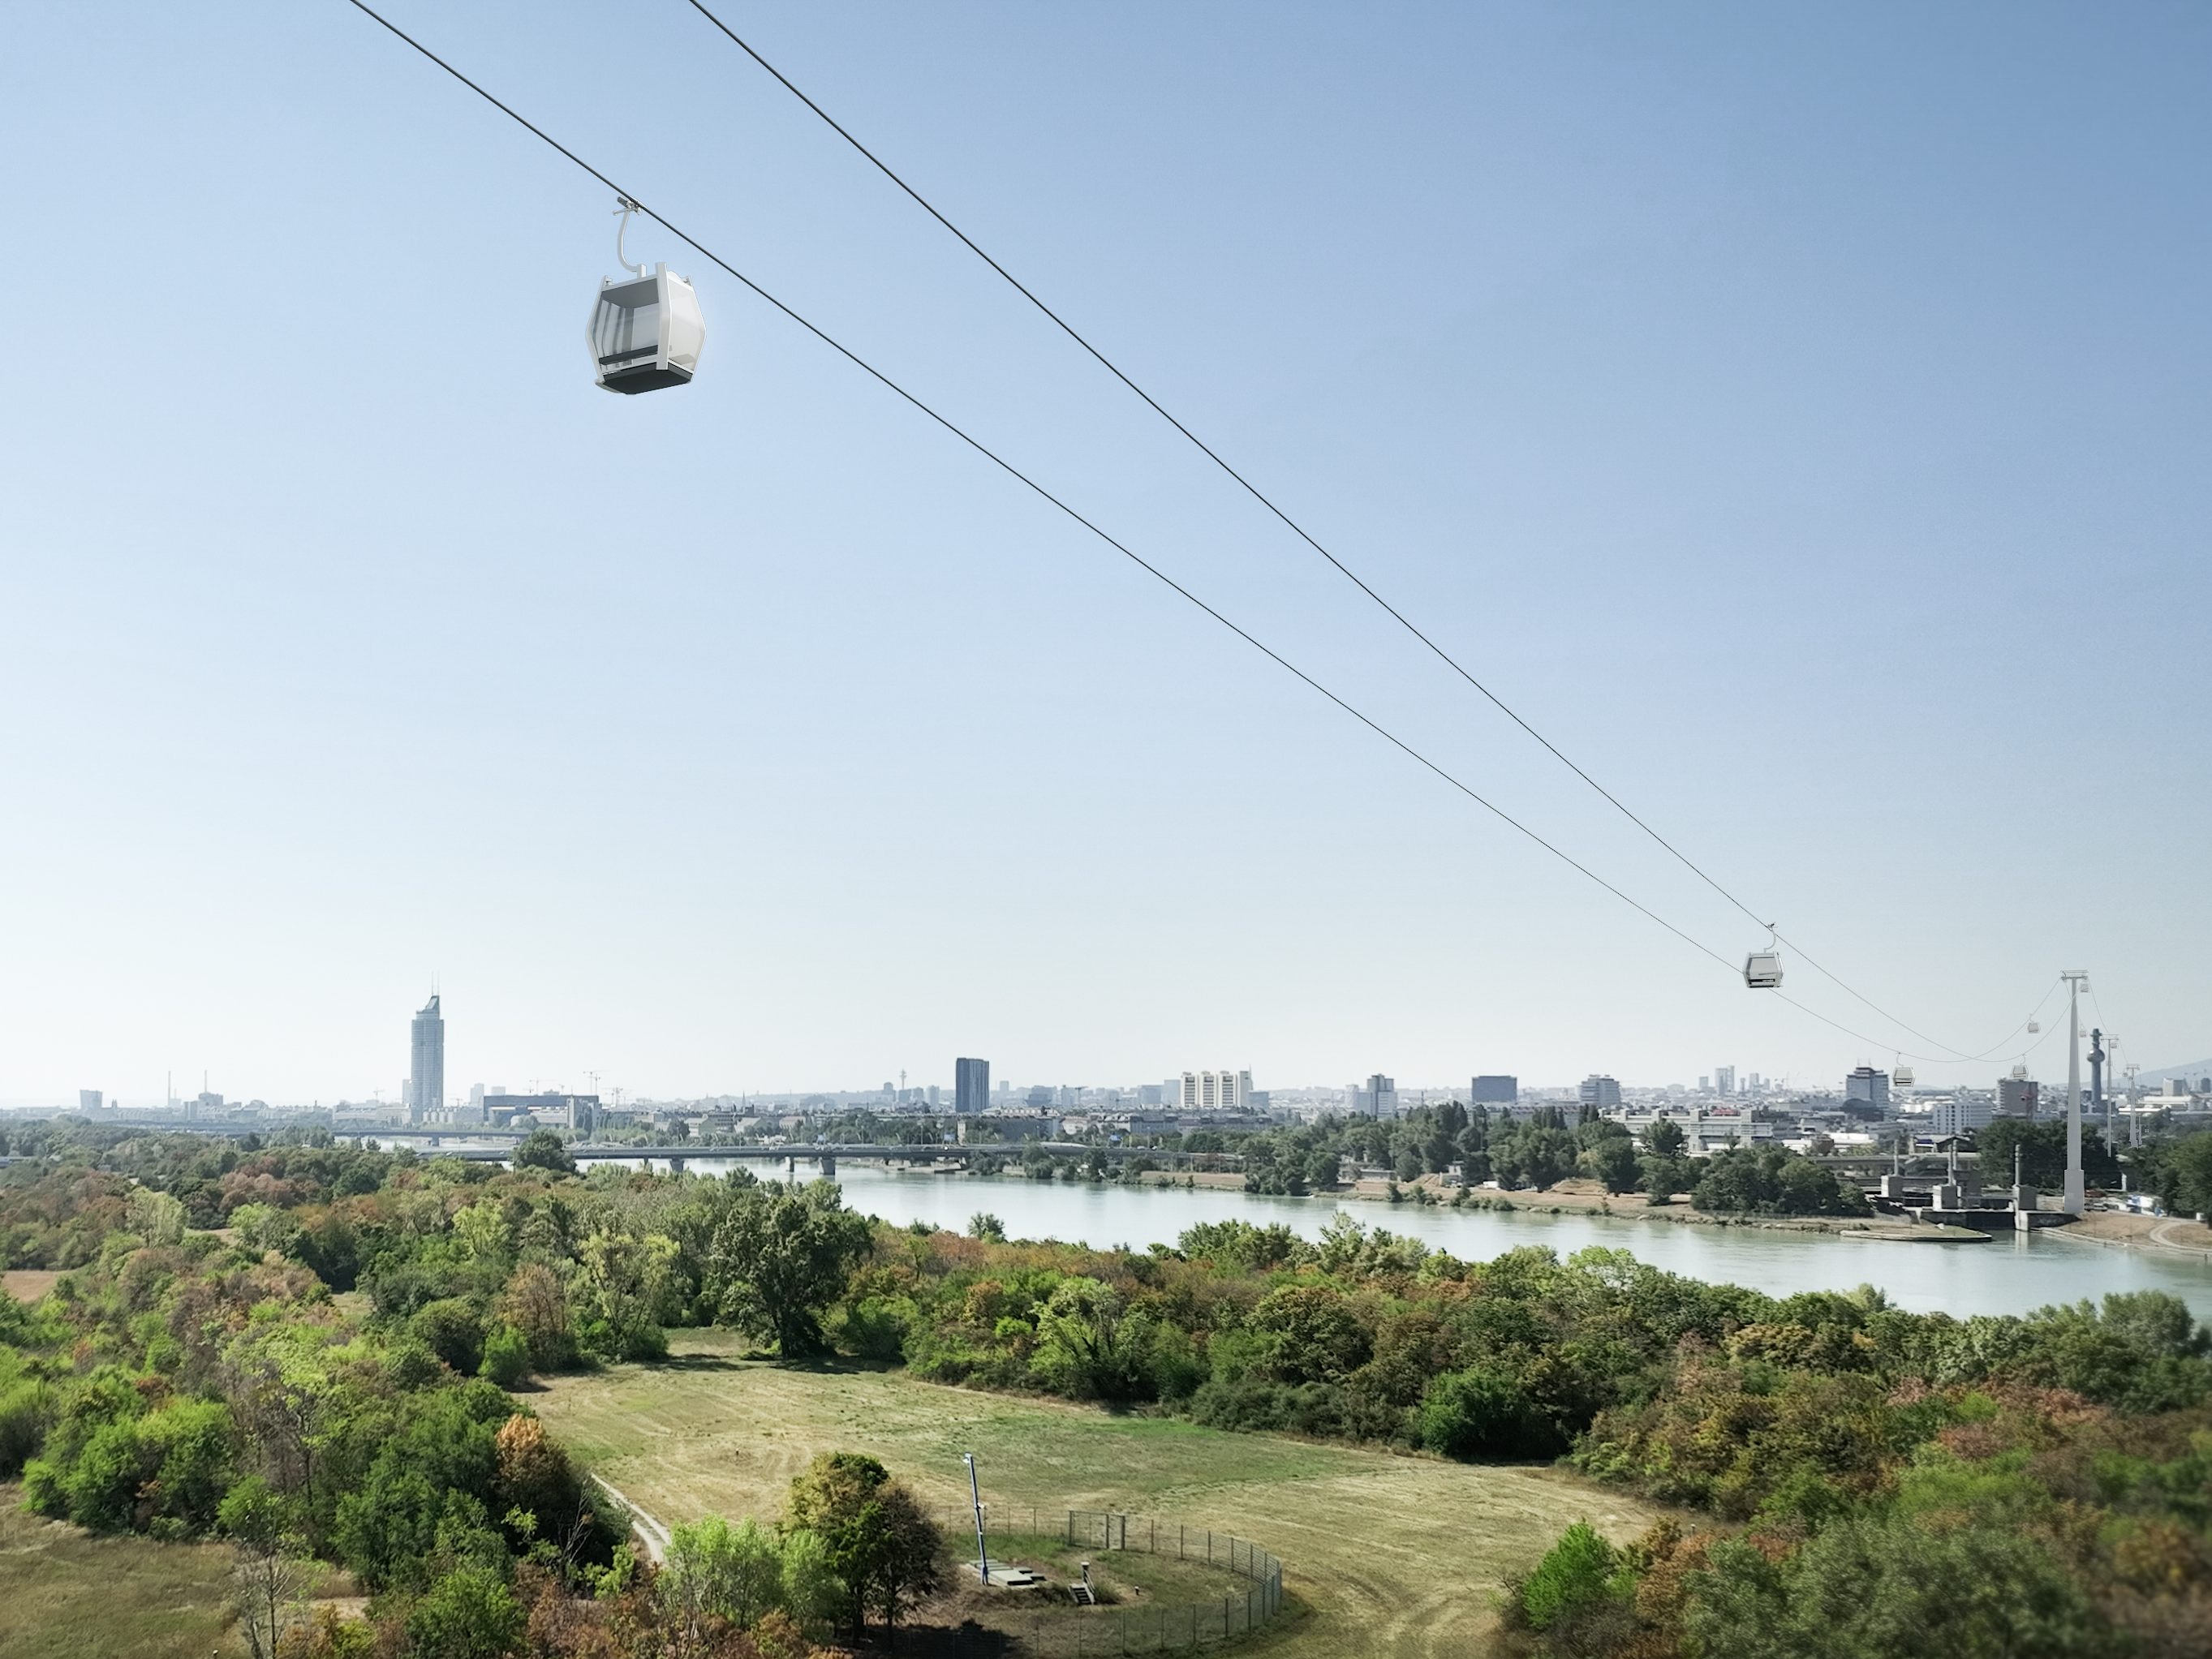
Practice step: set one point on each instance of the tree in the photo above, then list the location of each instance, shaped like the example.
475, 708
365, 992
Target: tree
483, 1231
887, 1552
1612, 1160
909, 1565
623, 1289
812, 1592
2181, 1172
268, 1576
1774, 1180
156, 1216
1578, 1573
535, 1306
988, 1227
2041, 1146
1474, 1164
1482, 1412
1894, 1589
1535, 1154
1243, 1246
716, 1569
449, 1328
279, 1384
531, 1474
1308, 1333
1664, 1176
26, 1411
783, 1254
1088, 1347
506, 1356
1663, 1137
469, 1613
541, 1149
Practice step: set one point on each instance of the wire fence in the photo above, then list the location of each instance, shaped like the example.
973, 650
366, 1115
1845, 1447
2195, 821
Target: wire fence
1061, 1629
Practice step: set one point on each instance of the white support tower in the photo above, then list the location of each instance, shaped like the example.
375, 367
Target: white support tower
2077, 1194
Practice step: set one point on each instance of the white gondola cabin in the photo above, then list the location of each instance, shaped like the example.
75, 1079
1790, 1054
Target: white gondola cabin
1762, 970
646, 332
1902, 1077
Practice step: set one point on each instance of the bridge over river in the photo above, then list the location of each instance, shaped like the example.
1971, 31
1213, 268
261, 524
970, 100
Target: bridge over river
826, 1155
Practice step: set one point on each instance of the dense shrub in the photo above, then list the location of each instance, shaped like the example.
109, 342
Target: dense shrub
506, 1356
1580, 1574
1481, 1413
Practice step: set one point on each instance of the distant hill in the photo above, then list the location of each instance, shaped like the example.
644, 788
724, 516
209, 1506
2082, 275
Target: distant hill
2193, 1069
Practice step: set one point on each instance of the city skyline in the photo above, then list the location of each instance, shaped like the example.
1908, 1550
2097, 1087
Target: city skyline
969, 1085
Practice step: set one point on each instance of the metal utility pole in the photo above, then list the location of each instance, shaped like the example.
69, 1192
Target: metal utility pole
975, 1496
2077, 1195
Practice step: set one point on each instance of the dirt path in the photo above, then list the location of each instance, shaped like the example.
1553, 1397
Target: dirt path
2192, 1237
648, 1531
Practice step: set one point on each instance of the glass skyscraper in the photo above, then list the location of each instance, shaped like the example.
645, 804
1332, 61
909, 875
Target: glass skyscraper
426, 1071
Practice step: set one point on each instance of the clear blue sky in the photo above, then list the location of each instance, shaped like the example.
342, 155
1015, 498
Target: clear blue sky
1802, 417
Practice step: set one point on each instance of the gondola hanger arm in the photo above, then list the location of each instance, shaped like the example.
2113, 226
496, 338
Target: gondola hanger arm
621, 258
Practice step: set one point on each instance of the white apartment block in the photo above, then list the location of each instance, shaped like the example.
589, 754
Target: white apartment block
1214, 1091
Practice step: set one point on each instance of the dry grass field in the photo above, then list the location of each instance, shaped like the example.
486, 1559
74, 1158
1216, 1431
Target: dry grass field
67, 1595
1395, 1557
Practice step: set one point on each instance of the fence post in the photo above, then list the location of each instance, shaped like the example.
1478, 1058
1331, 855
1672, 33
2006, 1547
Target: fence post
1178, 1541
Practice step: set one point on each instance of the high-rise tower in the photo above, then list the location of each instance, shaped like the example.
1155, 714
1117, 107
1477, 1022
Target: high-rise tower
971, 1085
426, 1071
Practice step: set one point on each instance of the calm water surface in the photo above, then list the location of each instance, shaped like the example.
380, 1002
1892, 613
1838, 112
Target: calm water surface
2010, 1274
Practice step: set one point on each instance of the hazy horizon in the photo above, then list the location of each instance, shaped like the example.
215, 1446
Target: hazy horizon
1800, 418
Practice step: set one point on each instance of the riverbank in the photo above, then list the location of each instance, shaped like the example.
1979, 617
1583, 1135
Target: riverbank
1579, 1197
2155, 1235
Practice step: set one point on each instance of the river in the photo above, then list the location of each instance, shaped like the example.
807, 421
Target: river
2012, 1273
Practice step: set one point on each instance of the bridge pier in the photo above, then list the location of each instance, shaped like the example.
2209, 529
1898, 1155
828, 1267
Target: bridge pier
829, 1166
